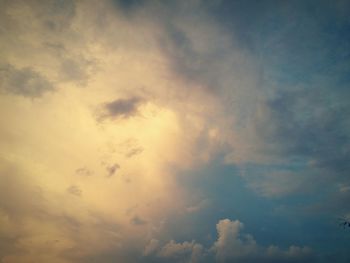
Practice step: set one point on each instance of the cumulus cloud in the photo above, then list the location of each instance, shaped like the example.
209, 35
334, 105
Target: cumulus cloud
172, 251
231, 246
181, 252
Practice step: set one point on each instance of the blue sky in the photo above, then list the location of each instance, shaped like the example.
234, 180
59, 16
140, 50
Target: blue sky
174, 131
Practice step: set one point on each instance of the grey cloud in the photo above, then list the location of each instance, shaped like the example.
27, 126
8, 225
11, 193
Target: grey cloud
120, 108
25, 81
111, 170
60, 51
308, 128
309, 124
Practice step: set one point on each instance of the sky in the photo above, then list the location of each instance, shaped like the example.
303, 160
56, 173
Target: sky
191, 131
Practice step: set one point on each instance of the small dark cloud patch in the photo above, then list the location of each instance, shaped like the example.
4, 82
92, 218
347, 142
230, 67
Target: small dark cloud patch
136, 220
121, 108
24, 82
134, 151
111, 170
74, 190
83, 171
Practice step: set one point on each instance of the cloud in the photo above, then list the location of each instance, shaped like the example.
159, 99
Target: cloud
25, 82
231, 246
120, 108
172, 251
111, 170
42, 55
183, 252
262, 86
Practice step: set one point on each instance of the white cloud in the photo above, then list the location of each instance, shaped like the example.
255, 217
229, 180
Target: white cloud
231, 245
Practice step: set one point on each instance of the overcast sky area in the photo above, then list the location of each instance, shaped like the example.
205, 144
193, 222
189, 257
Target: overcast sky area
194, 131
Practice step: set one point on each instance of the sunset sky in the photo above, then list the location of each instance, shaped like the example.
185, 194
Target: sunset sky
192, 131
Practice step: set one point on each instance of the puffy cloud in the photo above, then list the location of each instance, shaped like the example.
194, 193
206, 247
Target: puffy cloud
175, 252
231, 245
181, 251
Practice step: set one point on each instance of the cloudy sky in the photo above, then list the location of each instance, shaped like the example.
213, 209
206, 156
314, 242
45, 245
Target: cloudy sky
190, 131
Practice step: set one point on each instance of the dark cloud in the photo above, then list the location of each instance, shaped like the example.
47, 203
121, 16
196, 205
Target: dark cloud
111, 170
120, 108
25, 81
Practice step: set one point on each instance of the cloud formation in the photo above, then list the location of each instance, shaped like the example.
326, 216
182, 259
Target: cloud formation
231, 245
130, 128
121, 108
25, 82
